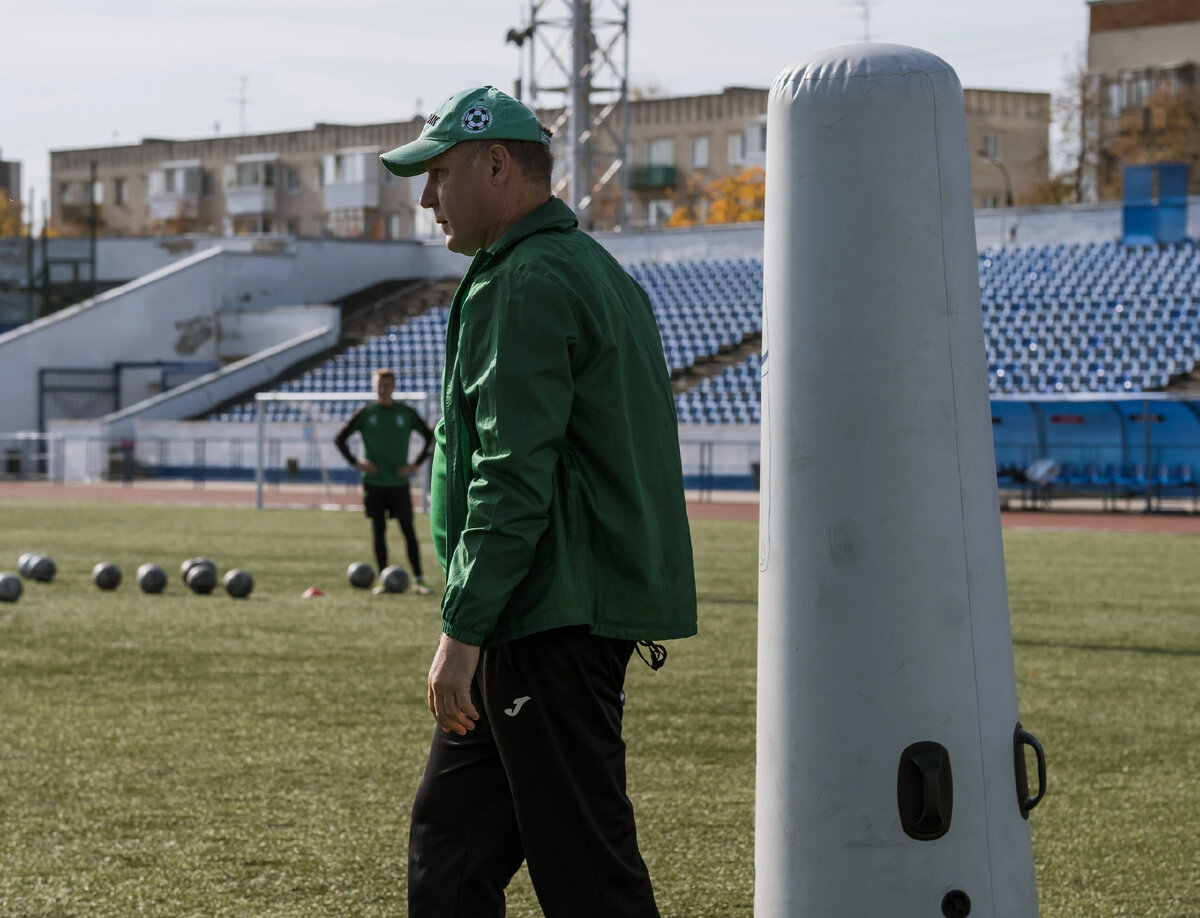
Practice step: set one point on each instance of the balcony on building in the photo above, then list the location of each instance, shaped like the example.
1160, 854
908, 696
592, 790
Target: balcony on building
655, 175
350, 180
250, 183
175, 189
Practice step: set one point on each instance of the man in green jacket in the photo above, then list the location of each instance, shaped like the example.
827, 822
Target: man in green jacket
558, 514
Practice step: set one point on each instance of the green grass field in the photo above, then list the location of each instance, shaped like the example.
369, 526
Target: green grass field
197, 755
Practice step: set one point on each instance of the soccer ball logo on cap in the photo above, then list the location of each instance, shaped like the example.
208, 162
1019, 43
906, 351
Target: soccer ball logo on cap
476, 119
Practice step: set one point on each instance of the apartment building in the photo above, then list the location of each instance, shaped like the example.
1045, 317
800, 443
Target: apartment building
1142, 62
323, 181
10, 180
327, 180
1137, 47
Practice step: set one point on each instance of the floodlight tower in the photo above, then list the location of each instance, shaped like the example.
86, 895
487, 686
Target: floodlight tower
582, 87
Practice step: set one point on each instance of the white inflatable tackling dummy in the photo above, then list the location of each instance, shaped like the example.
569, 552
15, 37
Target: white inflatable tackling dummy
891, 766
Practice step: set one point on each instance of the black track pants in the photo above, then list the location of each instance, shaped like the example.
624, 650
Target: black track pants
540, 778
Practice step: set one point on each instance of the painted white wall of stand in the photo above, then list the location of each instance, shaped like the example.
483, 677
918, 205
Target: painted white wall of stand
200, 308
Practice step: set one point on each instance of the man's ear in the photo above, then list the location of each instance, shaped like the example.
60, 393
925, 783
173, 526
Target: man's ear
499, 161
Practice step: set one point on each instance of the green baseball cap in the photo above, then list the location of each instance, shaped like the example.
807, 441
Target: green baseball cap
480, 113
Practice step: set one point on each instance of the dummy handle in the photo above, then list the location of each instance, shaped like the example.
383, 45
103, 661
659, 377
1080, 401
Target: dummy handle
925, 791
1021, 739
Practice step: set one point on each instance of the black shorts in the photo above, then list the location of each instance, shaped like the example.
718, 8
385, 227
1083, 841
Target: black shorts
379, 502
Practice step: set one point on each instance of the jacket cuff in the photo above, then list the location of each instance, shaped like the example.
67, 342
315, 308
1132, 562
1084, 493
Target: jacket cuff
465, 635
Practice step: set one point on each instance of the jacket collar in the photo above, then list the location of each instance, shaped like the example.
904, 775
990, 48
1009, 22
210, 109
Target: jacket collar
553, 215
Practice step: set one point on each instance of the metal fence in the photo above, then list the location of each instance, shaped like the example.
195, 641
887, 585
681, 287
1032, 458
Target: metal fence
31, 456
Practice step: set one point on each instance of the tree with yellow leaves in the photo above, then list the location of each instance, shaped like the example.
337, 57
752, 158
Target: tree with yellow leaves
11, 221
735, 198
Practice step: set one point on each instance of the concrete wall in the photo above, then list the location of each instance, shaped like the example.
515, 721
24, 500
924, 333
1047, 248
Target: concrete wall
168, 315
172, 311
86, 443
120, 259
1051, 225
244, 333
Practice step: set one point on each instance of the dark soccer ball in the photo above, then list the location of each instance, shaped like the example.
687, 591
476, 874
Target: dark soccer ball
106, 575
10, 587
151, 578
394, 579
187, 565
238, 583
360, 574
43, 569
201, 578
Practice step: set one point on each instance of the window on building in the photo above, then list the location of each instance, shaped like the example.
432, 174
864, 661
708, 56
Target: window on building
73, 192
756, 135
699, 152
250, 175
737, 148
1116, 97
424, 224
993, 147
1143, 88
659, 211
119, 192
97, 193
291, 180
660, 152
344, 169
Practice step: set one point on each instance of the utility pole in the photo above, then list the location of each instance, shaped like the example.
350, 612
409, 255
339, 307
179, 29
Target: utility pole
30, 308
92, 221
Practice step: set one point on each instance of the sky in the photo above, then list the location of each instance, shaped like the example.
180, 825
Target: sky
88, 73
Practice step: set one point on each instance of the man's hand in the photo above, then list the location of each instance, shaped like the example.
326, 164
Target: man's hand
406, 471
450, 685
365, 465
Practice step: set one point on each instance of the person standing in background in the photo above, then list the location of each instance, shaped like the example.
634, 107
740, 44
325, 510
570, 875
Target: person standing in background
386, 428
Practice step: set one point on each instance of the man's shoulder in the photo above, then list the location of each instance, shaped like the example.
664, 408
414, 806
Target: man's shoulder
569, 257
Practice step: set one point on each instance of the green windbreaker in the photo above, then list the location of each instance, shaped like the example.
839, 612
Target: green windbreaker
558, 493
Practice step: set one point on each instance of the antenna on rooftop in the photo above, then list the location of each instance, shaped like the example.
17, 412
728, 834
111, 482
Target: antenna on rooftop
865, 5
242, 102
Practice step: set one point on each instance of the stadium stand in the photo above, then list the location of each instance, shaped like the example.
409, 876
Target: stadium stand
1070, 318
1073, 334
703, 308
1090, 317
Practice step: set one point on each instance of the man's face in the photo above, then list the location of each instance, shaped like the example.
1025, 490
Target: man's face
384, 387
457, 193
